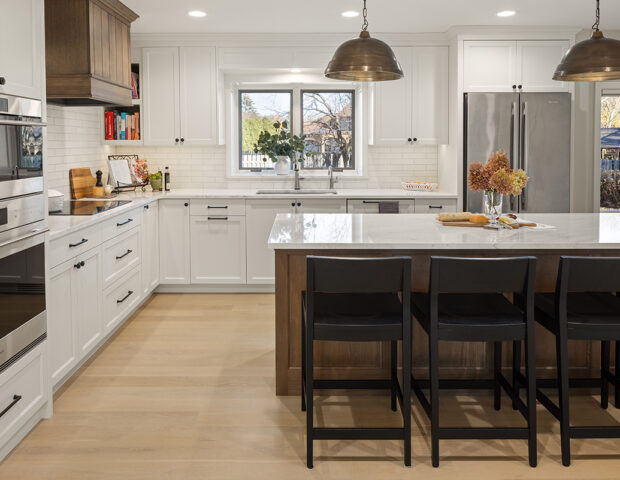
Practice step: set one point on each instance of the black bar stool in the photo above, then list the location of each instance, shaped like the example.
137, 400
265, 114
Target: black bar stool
466, 303
357, 300
583, 307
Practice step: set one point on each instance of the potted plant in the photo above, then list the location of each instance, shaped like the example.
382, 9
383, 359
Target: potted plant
496, 179
280, 147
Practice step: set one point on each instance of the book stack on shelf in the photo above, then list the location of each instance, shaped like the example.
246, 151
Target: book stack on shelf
122, 125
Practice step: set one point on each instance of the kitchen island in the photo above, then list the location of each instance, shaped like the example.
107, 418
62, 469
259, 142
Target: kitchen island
294, 236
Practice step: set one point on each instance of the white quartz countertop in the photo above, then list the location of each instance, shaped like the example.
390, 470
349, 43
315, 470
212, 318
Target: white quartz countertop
64, 224
423, 231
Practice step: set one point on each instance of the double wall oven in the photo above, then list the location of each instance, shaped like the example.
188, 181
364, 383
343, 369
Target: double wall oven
22, 228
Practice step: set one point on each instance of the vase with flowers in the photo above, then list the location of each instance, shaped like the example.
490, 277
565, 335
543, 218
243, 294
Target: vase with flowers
496, 179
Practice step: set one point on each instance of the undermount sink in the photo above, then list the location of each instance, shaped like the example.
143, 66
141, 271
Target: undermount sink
296, 192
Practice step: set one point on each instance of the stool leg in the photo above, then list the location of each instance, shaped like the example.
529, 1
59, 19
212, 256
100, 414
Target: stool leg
434, 383
406, 407
310, 398
497, 368
605, 348
562, 359
516, 368
617, 372
303, 365
530, 371
394, 371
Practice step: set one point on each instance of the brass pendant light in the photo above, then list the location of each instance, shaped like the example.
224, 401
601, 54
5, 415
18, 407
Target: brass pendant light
364, 59
594, 60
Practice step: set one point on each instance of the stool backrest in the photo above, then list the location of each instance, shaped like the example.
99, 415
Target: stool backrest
358, 275
482, 275
588, 274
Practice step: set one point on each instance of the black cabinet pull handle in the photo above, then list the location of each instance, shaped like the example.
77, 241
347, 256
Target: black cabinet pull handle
370, 201
299, 204
84, 240
129, 293
16, 398
217, 218
82, 263
124, 254
129, 220
146, 207
435, 206
217, 206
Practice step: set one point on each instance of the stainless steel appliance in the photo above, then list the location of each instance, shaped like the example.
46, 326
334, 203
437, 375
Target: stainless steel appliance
535, 130
21, 146
22, 226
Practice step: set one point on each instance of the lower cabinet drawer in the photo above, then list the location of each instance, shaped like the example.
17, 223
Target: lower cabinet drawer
373, 206
21, 393
68, 246
120, 255
121, 298
121, 223
435, 206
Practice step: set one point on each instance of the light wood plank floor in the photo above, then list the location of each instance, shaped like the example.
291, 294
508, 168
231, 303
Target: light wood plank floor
185, 391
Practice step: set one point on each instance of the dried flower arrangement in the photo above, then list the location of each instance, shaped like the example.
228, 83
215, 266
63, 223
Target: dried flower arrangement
496, 176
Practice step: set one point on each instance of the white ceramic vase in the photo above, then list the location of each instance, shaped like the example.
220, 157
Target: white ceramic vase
283, 165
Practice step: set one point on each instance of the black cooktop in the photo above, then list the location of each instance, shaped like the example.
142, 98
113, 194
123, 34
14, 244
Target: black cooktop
88, 207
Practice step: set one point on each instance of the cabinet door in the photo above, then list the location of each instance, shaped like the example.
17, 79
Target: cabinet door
86, 300
372, 205
218, 249
312, 205
489, 66
392, 119
435, 206
160, 95
536, 64
198, 96
259, 218
431, 94
174, 242
61, 329
21, 48
150, 248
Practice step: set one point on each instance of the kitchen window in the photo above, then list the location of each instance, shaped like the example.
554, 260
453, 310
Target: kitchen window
326, 117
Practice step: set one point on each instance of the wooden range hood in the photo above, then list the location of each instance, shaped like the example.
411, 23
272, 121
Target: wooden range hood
87, 52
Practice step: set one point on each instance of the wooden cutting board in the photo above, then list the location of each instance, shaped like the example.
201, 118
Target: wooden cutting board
471, 224
81, 182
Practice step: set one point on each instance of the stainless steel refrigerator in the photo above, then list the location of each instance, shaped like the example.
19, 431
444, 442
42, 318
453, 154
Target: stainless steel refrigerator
535, 131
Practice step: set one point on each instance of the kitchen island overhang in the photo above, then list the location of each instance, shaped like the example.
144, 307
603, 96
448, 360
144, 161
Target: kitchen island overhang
420, 236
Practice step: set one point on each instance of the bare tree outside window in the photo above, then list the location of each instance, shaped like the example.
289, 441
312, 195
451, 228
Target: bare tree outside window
610, 152
328, 124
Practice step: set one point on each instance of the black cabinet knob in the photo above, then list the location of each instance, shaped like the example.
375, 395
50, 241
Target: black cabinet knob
2, 80
176, 140
415, 139
77, 265
514, 86
409, 140
186, 204
520, 87
293, 204
82, 263
146, 207
299, 204
182, 140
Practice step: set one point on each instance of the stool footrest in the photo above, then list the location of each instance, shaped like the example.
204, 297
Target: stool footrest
485, 433
459, 384
358, 433
595, 432
353, 384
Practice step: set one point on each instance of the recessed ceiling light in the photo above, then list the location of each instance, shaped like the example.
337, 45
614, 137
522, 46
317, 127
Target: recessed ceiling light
350, 14
197, 13
295, 70
506, 13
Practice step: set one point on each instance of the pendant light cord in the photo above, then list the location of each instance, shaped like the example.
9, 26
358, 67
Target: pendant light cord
364, 13
598, 15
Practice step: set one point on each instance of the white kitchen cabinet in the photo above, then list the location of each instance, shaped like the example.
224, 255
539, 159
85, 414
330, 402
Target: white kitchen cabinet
61, 327
218, 249
150, 248
174, 242
260, 215
440, 205
179, 96
120, 299
316, 205
86, 300
160, 95
371, 205
414, 109
510, 66
22, 48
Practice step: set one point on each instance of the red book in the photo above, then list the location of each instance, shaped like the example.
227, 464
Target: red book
109, 125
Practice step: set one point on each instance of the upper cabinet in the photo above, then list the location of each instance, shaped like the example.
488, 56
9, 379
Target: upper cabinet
179, 96
88, 52
414, 109
21, 48
512, 66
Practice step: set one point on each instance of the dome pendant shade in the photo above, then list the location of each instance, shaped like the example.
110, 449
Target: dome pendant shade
364, 59
594, 60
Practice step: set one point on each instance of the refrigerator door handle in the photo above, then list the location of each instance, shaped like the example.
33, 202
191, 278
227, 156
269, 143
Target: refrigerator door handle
524, 149
513, 118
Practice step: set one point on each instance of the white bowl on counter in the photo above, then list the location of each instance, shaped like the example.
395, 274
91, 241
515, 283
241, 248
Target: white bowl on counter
55, 200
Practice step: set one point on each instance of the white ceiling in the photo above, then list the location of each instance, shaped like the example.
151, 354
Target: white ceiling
285, 16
